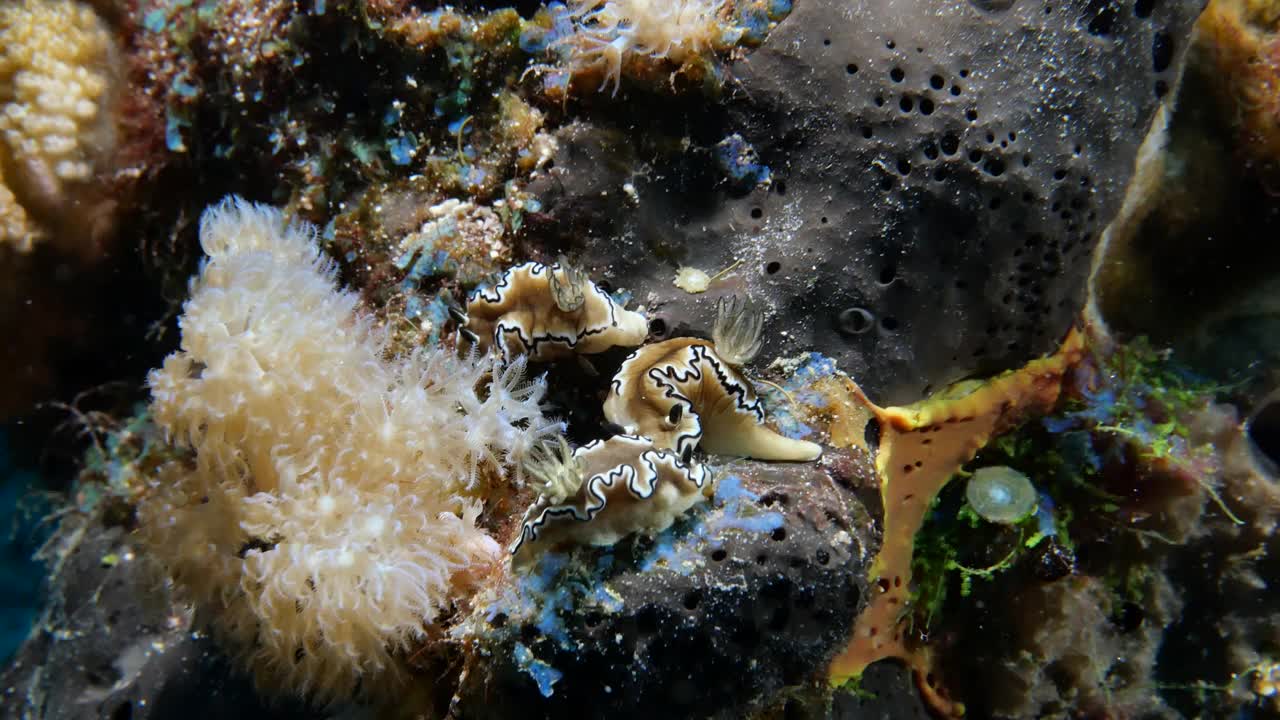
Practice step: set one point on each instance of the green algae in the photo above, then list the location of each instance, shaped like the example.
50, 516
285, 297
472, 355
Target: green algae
1126, 417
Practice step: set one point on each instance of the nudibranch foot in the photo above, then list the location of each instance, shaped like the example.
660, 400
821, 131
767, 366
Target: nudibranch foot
759, 442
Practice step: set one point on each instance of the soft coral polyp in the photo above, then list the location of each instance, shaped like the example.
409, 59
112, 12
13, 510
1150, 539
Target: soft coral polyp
609, 35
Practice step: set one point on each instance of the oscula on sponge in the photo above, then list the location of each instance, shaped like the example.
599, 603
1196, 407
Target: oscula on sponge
328, 515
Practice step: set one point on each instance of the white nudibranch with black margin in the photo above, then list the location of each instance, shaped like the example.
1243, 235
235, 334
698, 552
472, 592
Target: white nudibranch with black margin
1000, 494
684, 395
623, 485
547, 312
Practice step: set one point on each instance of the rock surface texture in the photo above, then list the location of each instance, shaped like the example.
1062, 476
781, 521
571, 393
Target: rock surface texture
939, 175
111, 647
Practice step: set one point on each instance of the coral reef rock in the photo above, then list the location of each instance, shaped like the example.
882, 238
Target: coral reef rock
110, 646
938, 177
1164, 270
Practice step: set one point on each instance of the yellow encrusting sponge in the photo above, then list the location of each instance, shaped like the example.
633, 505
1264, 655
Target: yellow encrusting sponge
329, 514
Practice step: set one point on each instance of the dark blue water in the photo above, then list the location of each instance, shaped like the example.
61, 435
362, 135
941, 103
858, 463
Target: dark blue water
21, 534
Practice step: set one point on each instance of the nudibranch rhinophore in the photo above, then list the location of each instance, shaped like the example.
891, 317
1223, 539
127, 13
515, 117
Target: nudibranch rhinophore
682, 394
548, 312
626, 485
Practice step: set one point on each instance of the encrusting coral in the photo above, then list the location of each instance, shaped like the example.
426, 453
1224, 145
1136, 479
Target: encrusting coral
55, 85
547, 313
457, 236
624, 485
328, 514
682, 394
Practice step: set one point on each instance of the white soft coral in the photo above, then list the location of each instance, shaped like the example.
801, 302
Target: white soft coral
330, 513
609, 33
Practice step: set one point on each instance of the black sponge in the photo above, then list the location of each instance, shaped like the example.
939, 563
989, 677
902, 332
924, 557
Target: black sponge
938, 175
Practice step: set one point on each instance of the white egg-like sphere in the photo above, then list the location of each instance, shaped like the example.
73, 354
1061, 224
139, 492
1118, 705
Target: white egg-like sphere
1001, 494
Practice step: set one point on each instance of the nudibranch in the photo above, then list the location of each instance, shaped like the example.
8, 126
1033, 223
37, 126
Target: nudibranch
607, 490
548, 312
683, 394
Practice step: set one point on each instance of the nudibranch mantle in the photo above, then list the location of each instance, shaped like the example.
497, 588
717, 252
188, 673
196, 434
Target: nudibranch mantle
519, 315
629, 486
682, 394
